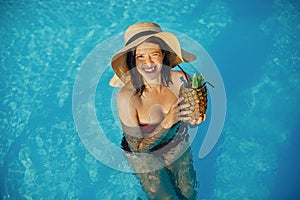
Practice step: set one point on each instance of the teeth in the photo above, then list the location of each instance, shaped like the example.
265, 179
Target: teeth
149, 69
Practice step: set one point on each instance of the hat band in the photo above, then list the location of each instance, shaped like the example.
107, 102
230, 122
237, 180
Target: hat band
138, 35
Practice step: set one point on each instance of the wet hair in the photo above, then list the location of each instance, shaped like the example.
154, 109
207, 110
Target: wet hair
136, 77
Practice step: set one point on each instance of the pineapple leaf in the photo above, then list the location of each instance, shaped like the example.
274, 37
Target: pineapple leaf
200, 79
195, 81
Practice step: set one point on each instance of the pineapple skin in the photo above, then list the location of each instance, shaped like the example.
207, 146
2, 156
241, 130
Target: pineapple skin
197, 98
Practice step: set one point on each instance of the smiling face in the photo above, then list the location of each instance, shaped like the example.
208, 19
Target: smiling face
149, 60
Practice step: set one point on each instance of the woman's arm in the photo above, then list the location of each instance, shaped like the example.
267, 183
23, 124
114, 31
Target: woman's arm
143, 145
132, 130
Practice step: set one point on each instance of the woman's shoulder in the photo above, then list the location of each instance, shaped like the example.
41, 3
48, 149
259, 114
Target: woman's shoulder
175, 74
126, 92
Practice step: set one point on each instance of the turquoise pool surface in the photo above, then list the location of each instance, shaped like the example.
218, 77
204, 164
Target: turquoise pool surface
43, 45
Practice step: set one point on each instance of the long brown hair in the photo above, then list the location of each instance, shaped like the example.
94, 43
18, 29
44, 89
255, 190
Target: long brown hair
136, 77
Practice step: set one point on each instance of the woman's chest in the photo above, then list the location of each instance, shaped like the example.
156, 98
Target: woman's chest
153, 106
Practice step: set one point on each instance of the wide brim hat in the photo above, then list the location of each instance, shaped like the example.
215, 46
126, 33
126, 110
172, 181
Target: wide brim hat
137, 34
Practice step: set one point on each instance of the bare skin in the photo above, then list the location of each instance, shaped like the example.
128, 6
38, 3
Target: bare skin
158, 104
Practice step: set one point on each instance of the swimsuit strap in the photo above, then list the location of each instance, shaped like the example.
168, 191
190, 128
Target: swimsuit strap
149, 128
185, 74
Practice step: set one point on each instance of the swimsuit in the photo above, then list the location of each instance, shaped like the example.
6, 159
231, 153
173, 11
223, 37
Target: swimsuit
171, 138
167, 172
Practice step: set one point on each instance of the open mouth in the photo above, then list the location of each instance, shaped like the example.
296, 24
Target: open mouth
150, 70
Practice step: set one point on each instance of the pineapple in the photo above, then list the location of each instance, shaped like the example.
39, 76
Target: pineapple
195, 93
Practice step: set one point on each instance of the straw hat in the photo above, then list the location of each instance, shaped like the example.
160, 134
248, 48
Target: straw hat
137, 34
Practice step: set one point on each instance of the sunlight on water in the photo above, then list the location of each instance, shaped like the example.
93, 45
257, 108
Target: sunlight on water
43, 44
255, 133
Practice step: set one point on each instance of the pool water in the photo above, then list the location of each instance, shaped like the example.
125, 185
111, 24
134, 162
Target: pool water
44, 43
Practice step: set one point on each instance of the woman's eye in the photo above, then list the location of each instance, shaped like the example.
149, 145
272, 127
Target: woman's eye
140, 57
155, 54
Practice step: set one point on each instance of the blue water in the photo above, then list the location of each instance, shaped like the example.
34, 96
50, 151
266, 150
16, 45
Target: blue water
43, 44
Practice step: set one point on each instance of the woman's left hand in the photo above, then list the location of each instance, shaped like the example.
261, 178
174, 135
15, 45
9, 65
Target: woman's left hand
176, 113
199, 121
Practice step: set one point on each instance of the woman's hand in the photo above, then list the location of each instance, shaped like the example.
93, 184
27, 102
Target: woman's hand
201, 119
176, 114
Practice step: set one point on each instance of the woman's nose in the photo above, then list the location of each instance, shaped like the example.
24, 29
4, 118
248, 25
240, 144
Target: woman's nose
148, 59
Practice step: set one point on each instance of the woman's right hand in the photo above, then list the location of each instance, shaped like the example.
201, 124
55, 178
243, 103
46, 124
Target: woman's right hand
176, 113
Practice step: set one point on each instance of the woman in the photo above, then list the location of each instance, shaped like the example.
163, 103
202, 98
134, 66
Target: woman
152, 114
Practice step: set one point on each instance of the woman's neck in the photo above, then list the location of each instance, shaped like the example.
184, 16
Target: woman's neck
153, 82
